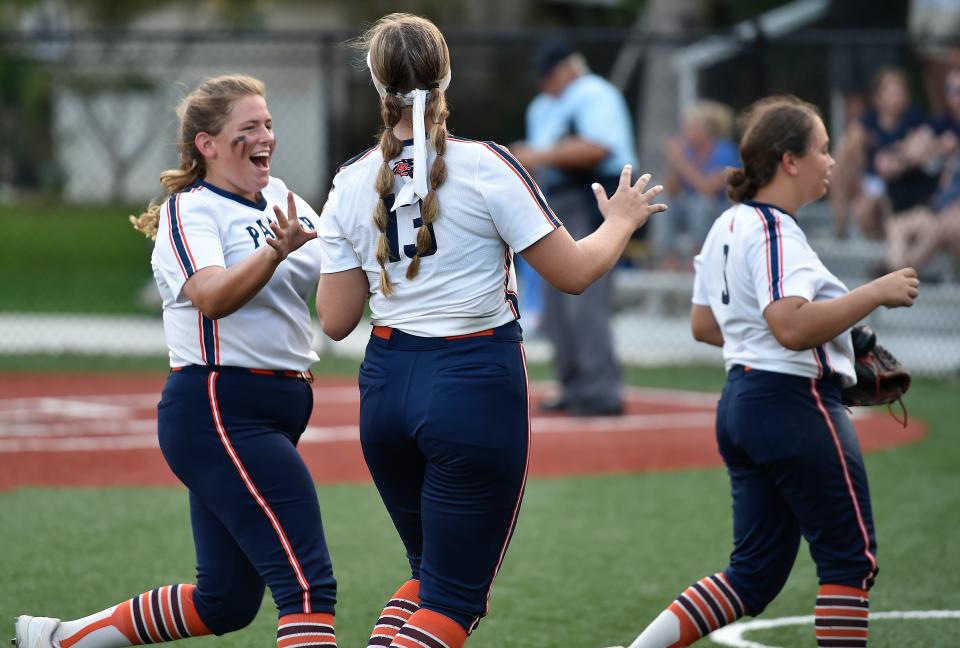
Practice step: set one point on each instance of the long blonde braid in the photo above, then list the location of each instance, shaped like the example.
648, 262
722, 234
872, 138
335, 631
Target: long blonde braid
390, 147
408, 52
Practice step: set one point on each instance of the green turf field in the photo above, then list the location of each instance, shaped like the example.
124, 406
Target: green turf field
71, 259
593, 558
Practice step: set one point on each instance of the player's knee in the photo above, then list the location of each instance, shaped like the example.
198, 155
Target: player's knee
223, 614
859, 572
757, 588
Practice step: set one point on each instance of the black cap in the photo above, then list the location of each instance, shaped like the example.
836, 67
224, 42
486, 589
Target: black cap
549, 55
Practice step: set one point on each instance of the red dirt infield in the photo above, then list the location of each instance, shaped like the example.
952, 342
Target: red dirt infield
100, 430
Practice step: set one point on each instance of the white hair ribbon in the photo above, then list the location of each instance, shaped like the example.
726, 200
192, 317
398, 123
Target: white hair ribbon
418, 189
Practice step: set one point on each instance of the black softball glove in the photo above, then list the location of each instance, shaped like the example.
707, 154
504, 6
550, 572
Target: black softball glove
881, 379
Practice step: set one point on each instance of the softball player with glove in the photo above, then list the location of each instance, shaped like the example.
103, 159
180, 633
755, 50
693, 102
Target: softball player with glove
425, 225
790, 449
235, 276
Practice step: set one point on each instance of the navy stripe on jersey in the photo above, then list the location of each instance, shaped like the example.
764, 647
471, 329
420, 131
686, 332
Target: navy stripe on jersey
774, 248
355, 158
176, 234
260, 204
823, 362
513, 300
532, 187
208, 339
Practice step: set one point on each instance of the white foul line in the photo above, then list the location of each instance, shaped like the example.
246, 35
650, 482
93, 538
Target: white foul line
732, 635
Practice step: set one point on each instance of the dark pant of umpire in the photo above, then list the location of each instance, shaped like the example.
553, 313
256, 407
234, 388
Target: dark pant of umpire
579, 325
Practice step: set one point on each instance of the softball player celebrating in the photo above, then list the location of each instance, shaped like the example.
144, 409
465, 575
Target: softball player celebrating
783, 321
235, 275
425, 224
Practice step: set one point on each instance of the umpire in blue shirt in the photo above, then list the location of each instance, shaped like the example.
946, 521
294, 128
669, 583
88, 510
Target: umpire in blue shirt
578, 132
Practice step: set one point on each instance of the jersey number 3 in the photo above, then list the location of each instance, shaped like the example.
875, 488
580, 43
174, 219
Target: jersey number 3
393, 233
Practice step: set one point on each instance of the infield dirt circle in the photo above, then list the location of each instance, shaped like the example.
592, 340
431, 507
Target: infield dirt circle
100, 430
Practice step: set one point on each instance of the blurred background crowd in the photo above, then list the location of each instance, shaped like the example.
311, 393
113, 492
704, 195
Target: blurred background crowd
87, 123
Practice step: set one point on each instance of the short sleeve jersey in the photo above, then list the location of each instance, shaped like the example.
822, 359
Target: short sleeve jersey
592, 108
205, 226
754, 255
489, 208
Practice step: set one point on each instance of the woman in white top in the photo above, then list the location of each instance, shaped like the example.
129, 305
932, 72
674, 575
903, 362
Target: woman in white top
235, 276
425, 225
783, 320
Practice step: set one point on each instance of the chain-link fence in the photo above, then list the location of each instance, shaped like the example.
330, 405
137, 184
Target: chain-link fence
88, 124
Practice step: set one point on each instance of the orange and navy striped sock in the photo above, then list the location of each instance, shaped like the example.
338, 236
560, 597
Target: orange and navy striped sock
164, 614
842, 616
429, 629
708, 604
404, 602
314, 630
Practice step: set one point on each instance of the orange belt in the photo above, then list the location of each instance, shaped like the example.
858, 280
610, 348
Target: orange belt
384, 333
280, 373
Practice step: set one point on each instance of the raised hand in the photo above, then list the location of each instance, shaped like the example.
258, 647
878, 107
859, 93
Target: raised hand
899, 288
629, 202
289, 235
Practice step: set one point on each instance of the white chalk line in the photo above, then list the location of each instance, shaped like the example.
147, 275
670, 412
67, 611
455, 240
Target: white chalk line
126, 421
732, 635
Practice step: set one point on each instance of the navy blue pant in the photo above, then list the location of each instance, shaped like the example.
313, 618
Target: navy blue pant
231, 438
445, 432
795, 469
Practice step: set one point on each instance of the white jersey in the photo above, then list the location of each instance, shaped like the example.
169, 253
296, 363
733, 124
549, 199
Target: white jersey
754, 255
206, 226
489, 207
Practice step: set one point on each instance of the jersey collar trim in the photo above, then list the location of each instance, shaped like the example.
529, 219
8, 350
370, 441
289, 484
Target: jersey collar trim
754, 203
260, 204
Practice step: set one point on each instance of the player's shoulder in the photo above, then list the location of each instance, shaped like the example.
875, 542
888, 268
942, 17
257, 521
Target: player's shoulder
483, 150
193, 199
362, 160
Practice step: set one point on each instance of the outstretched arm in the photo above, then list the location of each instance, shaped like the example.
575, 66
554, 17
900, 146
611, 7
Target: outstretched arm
571, 266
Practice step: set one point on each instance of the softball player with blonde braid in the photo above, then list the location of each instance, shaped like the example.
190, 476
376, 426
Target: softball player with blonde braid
791, 452
235, 275
425, 225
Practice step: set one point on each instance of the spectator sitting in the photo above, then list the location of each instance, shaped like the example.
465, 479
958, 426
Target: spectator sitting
880, 160
915, 236
697, 161
920, 234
